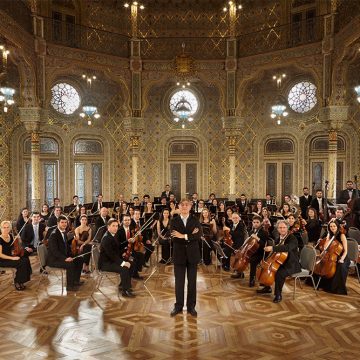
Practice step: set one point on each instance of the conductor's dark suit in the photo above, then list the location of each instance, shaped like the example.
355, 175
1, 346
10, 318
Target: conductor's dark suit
58, 251
186, 256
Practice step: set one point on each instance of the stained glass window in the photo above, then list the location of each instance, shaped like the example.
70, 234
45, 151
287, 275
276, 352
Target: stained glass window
50, 174
185, 98
65, 98
302, 97
96, 180
80, 181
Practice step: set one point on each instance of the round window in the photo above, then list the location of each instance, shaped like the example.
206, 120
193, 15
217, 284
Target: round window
302, 97
65, 98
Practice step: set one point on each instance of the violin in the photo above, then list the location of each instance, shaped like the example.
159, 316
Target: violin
267, 269
227, 238
302, 225
17, 249
138, 243
75, 248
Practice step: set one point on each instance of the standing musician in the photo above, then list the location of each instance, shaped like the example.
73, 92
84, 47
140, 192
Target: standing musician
9, 259
195, 201
186, 232
259, 231
56, 203
82, 241
59, 255
166, 193
286, 243
305, 201
209, 230
237, 232
125, 235
98, 204
163, 230
318, 203
243, 204
33, 233
111, 259
348, 194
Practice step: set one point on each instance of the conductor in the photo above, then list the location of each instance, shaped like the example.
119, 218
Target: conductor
186, 233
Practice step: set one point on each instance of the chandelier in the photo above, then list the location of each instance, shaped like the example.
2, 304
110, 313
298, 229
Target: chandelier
183, 110
357, 89
6, 91
278, 110
89, 110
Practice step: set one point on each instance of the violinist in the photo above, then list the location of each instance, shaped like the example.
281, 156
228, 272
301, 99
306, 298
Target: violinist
258, 207
33, 233
258, 230
7, 259
59, 255
336, 284
102, 219
266, 222
295, 229
209, 231
44, 214
237, 232
54, 217
285, 210
174, 211
78, 218
112, 260
163, 230
82, 241
119, 203
22, 219
286, 243
312, 226
227, 220
126, 235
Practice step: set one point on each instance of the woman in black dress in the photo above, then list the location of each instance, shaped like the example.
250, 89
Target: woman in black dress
209, 231
83, 238
45, 214
163, 230
312, 225
337, 284
22, 219
22, 264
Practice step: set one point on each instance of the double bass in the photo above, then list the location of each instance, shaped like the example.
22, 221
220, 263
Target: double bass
267, 269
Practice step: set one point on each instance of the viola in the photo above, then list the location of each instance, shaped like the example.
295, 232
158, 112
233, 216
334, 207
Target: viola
75, 248
330, 250
241, 259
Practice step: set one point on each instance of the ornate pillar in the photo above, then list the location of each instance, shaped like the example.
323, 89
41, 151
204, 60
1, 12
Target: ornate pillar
135, 127
334, 117
31, 119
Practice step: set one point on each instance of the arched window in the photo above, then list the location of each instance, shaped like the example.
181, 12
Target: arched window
276, 146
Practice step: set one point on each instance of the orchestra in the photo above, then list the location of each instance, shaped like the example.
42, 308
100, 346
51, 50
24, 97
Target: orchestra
250, 232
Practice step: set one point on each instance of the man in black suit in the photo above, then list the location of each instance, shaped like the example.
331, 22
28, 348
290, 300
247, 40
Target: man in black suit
111, 258
98, 204
56, 203
59, 255
33, 233
305, 201
102, 219
195, 201
186, 232
348, 194
318, 203
237, 232
288, 243
243, 204
53, 219
166, 193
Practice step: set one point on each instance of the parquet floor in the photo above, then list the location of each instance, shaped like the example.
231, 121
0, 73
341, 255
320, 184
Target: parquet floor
233, 322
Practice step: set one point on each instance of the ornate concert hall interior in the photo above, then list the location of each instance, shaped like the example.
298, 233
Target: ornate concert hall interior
111, 97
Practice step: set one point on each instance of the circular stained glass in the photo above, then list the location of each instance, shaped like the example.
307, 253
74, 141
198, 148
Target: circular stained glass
65, 98
184, 101
302, 97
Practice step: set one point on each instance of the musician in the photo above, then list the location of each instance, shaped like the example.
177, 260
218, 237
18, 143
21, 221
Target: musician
83, 239
102, 219
201, 206
287, 199
22, 219
145, 200
262, 236
243, 204
119, 203
148, 233
221, 207
347, 195
82, 212
54, 217
312, 225
186, 232
166, 193
98, 204
125, 235
266, 222
268, 200
258, 207
355, 211
136, 202
227, 221
295, 229
195, 201
305, 201
210, 199
33, 233
285, 211
318, 203
45, 214
209, 230
59, 255
237, 232
111, 260
22, 264
337, 284
163, 230
286, 243
56, 203
76, 203
172, 198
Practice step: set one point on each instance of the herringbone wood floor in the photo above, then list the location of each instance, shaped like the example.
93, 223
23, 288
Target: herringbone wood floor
233, 322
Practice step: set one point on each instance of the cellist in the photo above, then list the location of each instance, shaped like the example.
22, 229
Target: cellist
287, 243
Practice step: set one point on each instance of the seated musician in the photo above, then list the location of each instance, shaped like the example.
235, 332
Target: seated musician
266, 222
59, 255
295, 229
112, 260
56, 203
33, 233
54, 217
83, 239
259, 231
201, 206
336, 284
285, 210
82, 212
22, 219
119, 203
209, 231
125, 235
237, 232
312, 226
163, 230
286, 243
102, 219
174, 210
97, 205
45, 213
258, 207
7, 259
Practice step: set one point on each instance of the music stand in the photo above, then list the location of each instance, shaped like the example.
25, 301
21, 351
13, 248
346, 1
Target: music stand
219, 251
99, 234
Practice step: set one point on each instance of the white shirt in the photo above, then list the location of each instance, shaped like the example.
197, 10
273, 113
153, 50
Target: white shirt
184, 219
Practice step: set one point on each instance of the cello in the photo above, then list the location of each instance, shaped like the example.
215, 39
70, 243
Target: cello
267, 269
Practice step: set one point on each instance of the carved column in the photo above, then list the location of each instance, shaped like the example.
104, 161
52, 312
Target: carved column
232, 127
31, 119
334, 117
135, 127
